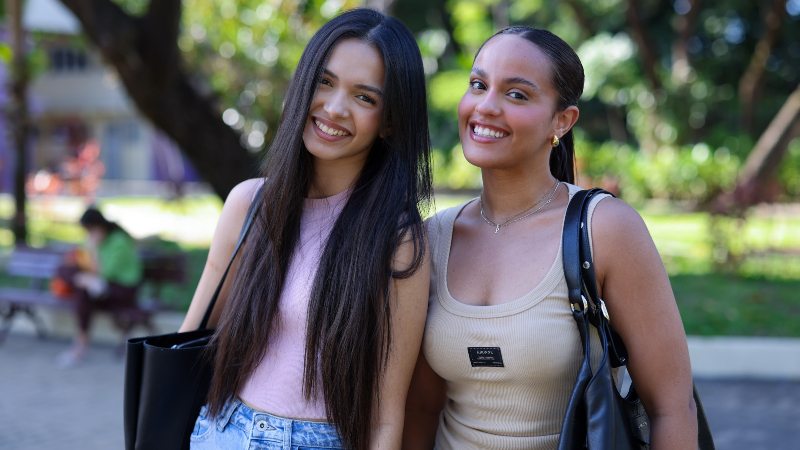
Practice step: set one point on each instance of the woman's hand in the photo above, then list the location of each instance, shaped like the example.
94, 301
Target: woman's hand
94, 284
222, 245
642, 309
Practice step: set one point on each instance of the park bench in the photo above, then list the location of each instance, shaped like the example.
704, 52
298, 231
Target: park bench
39, 266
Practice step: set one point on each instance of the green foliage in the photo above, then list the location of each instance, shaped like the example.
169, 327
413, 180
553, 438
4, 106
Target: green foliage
445, 90
245, 51
471, 24
789, 172
6, 53
675, 173
714, 305
608, 62
455, 172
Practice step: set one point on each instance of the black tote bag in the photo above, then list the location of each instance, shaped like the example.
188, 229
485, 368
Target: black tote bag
598, 417
167, 379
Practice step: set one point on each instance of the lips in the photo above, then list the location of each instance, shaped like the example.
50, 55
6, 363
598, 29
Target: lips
328, 130
481, 132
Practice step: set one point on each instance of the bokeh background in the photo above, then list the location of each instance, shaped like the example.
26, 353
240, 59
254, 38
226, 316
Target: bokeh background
690, 112
154, 109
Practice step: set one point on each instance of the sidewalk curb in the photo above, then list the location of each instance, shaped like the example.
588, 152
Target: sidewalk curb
745, 357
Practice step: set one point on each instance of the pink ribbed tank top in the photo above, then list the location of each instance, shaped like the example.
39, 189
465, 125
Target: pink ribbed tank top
276, 386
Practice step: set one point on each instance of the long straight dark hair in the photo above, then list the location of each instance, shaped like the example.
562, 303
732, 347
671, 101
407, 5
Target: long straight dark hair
567, 77
348, 331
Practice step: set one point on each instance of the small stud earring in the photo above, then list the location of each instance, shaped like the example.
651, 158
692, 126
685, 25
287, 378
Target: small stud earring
555, 141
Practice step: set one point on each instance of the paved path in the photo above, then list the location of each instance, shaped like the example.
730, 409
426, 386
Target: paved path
43, 406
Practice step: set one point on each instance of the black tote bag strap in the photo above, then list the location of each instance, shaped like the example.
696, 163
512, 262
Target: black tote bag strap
248, 221
581, 282
570, 251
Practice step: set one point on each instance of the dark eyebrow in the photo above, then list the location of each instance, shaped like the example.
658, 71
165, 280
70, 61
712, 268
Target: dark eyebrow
374, 90
365, 87
477, 71
513, 80
330, 74
520, 80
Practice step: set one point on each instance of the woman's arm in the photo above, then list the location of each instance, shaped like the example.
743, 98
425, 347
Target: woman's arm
642, 309
409, 302
225, 236
427, 395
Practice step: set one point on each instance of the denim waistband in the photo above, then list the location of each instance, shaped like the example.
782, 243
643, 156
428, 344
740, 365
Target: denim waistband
290, 432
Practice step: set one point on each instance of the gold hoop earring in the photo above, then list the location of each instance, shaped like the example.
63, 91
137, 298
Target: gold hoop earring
555, 141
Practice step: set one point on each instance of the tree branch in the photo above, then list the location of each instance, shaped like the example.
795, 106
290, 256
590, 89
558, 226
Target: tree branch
144, 53
685, 26
759, 169
160, 29
646, 51
752, 81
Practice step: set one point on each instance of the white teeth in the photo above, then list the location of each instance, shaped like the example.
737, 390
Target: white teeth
485, 132
330, 131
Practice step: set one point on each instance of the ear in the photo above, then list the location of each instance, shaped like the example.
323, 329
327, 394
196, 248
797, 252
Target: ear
565, 120
385, 131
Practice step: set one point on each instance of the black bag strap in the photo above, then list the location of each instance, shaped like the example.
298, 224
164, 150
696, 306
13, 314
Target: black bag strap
581, 283
617, 352
248, 221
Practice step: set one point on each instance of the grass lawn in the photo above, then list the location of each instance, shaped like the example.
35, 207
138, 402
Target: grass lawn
714, 305
763, 301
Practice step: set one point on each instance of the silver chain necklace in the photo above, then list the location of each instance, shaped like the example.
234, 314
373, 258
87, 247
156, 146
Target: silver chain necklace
514, 218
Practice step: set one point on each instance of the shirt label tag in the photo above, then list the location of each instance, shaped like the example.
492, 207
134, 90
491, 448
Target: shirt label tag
485, 356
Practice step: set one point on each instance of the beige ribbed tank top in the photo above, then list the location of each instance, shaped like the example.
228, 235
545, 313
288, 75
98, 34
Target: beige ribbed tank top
520, 406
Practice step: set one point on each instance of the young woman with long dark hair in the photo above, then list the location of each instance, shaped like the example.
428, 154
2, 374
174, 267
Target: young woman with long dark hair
498, 285
320, 326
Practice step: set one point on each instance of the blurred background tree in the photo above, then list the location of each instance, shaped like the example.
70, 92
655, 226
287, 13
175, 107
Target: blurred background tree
690, 112
677, 93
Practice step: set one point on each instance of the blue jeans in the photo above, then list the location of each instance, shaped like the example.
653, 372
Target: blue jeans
240, 427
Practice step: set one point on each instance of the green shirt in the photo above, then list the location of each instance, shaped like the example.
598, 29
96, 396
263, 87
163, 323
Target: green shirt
119, 260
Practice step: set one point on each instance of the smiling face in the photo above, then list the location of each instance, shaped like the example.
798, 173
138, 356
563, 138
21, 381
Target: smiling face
346, 113
508, 114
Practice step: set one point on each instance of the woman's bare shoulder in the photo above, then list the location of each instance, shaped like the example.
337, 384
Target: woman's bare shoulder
245, 191
616, 220
236, 205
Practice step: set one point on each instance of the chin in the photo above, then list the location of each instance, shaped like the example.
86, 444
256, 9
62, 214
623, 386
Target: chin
325, 154
488, 160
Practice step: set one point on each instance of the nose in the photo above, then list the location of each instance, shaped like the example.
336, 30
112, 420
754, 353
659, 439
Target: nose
335, 105
488, 106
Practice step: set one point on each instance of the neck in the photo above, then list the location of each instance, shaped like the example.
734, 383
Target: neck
333, 177
507, 192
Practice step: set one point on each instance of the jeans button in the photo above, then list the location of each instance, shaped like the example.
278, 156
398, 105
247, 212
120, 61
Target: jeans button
262, 425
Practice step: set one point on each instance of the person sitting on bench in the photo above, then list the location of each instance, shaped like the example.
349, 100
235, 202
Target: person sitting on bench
110, 284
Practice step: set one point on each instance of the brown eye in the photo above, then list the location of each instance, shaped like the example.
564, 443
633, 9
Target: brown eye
477, 85
366, 98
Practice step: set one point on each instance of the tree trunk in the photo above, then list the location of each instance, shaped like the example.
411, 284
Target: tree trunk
647, 52
685, 26
759, 169
144, 52
17, 116
752, 81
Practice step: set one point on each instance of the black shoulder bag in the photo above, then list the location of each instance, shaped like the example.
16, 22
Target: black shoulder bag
167, 378
598, 417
